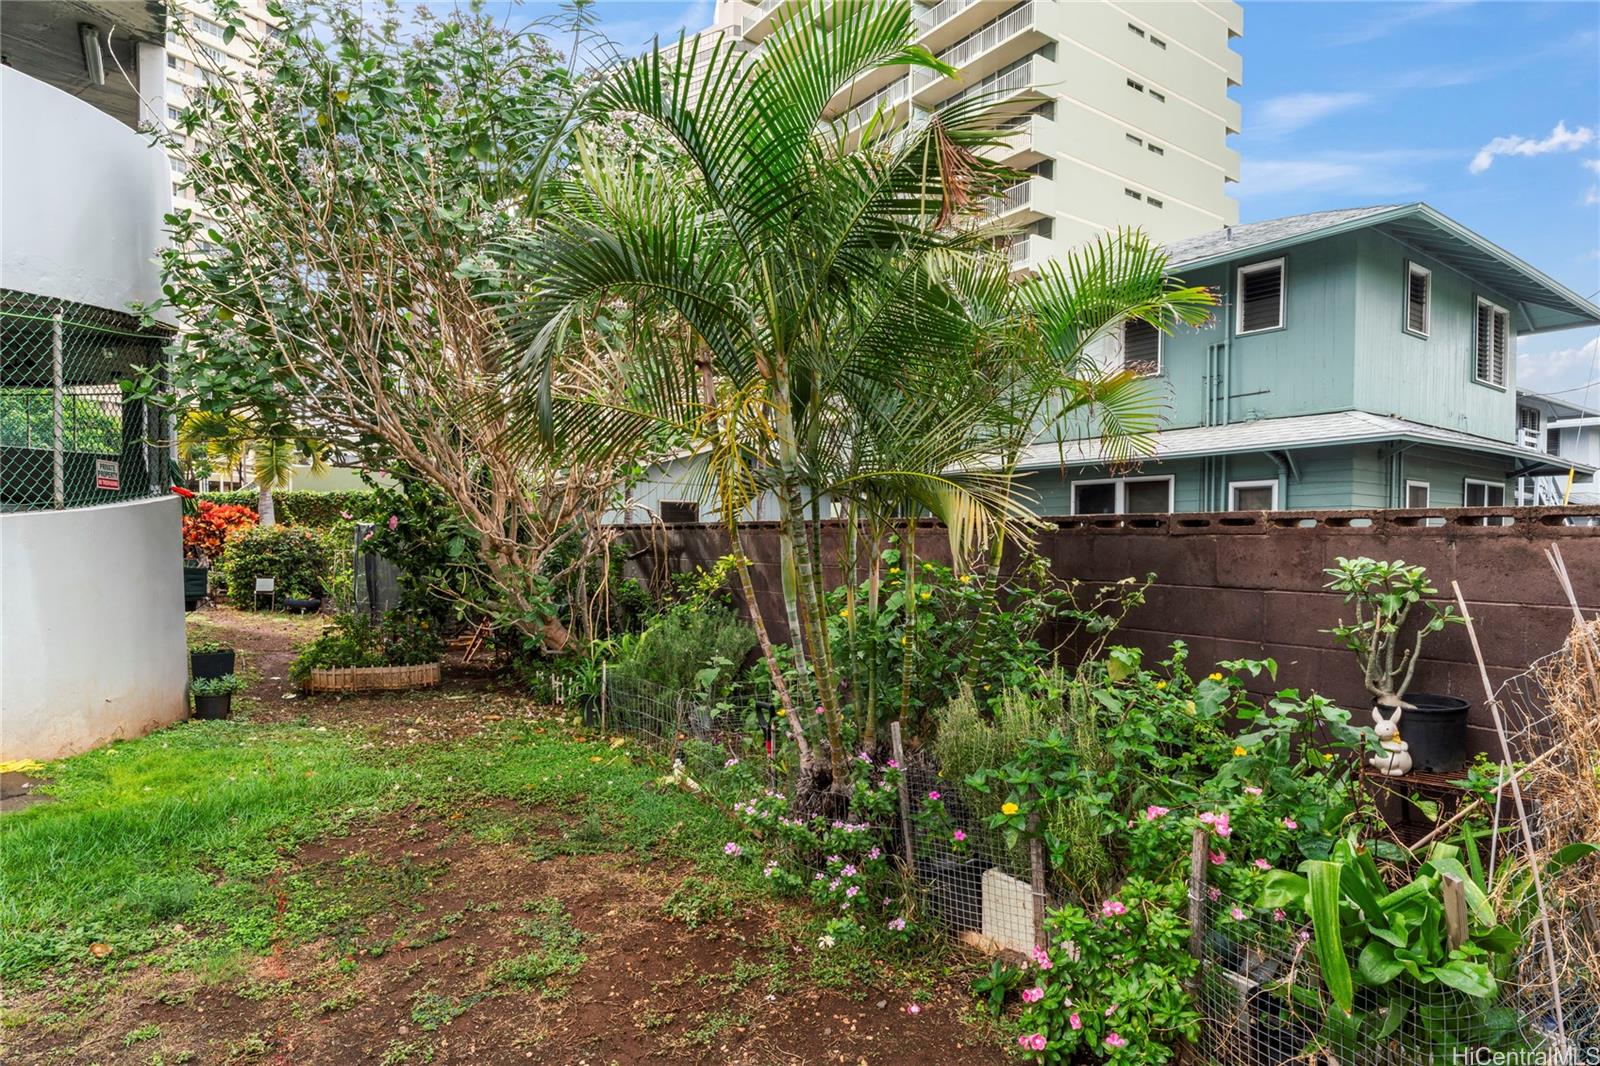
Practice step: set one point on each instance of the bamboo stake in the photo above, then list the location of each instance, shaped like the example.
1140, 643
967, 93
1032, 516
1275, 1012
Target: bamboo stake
1455, 910
1041, 898
1197, 892
1522, 812
905, 796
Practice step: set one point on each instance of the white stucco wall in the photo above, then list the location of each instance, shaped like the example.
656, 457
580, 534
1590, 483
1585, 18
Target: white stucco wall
81, 198
91, 626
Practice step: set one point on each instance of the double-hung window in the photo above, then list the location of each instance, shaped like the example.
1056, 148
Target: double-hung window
1492, 342
1123, 495
1419, 299
1476, 493
1253, 495
1260, 297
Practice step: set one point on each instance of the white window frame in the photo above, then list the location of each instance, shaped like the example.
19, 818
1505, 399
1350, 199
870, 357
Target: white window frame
1505, 368
1283, 296
1501, 485
1122, 484
1426, 487
1263, 483
1413, 269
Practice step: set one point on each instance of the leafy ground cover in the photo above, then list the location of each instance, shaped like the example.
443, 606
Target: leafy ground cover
451, 876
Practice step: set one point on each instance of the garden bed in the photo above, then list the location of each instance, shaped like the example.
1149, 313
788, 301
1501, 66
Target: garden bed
374, 678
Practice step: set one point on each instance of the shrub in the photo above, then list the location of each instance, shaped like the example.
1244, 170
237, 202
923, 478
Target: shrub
399, 639
676, 651
292, 556
303, 508
207, 532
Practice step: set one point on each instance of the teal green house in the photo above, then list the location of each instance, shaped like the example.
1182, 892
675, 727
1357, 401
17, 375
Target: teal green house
1358, 358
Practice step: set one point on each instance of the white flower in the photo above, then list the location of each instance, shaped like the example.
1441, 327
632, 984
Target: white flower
825, 941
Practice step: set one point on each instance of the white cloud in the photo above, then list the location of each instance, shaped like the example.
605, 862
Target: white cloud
1285, 114
1350, 174
1561, 139
1560, 369
1395, 17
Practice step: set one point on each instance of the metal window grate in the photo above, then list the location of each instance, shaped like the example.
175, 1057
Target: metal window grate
68, 438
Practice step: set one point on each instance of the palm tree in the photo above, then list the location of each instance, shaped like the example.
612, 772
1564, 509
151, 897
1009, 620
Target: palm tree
851, 333
238, 441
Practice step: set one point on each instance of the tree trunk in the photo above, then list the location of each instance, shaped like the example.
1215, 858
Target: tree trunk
264, 505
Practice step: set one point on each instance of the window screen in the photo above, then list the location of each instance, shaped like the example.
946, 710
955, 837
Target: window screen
1148, 497
1141, 346
1260, 297
1096, 498
1417, 494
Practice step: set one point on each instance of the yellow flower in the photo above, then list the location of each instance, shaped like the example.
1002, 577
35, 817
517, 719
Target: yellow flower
926, 594
1238, 749
986, 688
783, 710
1009, 808
594, 758
966, 579
844, 613
893, 570
1213, 677
1161, 684
1326, 757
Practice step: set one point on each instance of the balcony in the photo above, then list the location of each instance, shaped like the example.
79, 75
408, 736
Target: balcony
1028, 252
1003, 40
758, 23
890, 99
1023, 145
1012, 88
1529, 438
948, 21
1019, 204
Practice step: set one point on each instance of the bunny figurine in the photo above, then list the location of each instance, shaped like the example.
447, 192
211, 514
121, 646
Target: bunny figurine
1396, 756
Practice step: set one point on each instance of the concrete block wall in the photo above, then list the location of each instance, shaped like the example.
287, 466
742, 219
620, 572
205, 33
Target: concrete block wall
1251, 585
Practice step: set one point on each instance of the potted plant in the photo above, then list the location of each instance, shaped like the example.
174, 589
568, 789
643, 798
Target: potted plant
210, 658
213, 696
1385, 596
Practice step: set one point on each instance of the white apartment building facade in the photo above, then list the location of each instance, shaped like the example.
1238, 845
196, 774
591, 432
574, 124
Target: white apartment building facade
1121, 107
201, 57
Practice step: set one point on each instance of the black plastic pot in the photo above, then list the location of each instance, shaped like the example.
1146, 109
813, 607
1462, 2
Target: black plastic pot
1435, 731
955, 888
302, 606
213, 708
211, 663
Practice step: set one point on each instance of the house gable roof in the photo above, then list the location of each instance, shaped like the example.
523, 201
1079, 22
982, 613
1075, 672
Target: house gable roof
1542, 302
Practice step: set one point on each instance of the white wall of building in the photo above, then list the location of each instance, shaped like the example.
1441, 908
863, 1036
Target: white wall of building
81, 199
91, 626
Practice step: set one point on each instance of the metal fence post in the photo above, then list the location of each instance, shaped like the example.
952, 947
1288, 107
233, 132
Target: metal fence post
905, 796
58, 445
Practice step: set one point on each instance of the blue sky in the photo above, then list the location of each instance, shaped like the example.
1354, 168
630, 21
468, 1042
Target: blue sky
1488, 111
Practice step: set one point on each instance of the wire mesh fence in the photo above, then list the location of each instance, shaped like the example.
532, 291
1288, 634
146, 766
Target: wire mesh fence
68, 437
1259, 990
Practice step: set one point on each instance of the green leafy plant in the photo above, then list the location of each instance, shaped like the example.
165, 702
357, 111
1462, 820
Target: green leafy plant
995, 986
226, 685
208, 647
353, 640
1384, 595
291, 556
1111, 988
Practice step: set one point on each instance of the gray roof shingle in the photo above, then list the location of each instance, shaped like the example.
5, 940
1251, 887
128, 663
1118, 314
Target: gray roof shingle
1251, 234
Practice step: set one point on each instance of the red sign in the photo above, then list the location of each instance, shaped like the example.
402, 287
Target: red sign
107, 474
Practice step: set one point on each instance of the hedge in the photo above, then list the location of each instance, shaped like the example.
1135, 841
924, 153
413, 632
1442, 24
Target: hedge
316, 510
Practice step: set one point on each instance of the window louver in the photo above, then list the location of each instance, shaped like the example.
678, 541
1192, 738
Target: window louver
1417, 301
1261, 298
1493, 325
1141, 346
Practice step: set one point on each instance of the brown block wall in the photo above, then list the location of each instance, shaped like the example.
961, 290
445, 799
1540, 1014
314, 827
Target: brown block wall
1250, 585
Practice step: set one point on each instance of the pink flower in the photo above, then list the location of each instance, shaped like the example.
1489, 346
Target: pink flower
958, 836
852, 890
933, 795
1110, 1009
1075, 1021
893, 765
1115, 1040
730, 848
346, 516
394, 522
1290, 823
913, 1008
1111, 907
1037, 1041
1152, 812
1032, 995
1208, 818
1213, 893
1041, 958
897, 924
1238, 914
1278, 915
1251, 790
820, 708
874, 853
1262, 864
1218, 858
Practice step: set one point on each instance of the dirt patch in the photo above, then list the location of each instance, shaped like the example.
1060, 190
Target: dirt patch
17, 790
461, 950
